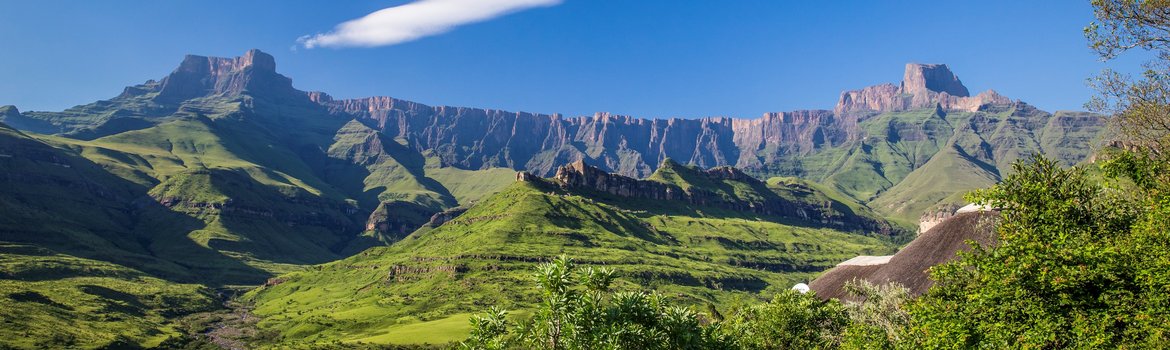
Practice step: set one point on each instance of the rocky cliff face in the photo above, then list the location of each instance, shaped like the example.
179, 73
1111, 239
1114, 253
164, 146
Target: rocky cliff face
581, 176
478, 138
921, 78
936, 215
198, 76
393, 220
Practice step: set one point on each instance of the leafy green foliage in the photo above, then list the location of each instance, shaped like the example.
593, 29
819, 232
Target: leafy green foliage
879, 319
579, 311
1078, 263
792, 320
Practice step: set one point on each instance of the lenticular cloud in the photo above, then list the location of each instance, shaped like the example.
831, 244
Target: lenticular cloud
415, 20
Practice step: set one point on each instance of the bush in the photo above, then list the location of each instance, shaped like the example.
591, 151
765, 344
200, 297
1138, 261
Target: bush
579, 311
792, 320
1079, 263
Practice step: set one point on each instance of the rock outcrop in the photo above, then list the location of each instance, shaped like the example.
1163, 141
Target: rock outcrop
198, 76
937, 215
393, 220
579, 175
709, 188
447, 215
922, 78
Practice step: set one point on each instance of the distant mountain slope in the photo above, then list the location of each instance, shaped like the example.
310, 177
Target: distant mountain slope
693, 247
218, 174
261, 173
726, 188
865, 146
870, 143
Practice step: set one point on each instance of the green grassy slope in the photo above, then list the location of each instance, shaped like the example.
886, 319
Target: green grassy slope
244, 197
895, 144
385, 170
53, 198
980, 147
945, 176
892, 165
485, 256
52, 300
194, 199
469, 186
248, 189
75, 270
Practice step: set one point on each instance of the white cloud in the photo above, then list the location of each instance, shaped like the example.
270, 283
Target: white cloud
399, 24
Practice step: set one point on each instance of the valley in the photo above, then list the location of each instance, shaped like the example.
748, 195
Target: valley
371, 220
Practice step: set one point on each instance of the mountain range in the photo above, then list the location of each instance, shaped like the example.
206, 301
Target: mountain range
223, 174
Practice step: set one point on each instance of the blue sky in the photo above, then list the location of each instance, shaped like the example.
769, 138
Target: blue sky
645, 58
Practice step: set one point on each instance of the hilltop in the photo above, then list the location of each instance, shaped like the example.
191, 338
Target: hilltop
695, 243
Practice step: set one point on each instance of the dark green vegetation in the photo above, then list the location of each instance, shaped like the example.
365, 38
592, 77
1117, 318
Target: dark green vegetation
1080, 263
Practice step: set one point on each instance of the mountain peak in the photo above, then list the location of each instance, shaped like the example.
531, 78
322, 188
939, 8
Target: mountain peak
921, 77
260, 59
9, 110
202, 75
254, 58
923, 86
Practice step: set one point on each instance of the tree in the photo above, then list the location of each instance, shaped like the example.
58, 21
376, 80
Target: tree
1141, 105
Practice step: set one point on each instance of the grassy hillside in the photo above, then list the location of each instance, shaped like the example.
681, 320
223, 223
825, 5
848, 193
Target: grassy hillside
469, 186
156, 212
943, 179
52, 300
246, 190
434, 277
912, 160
